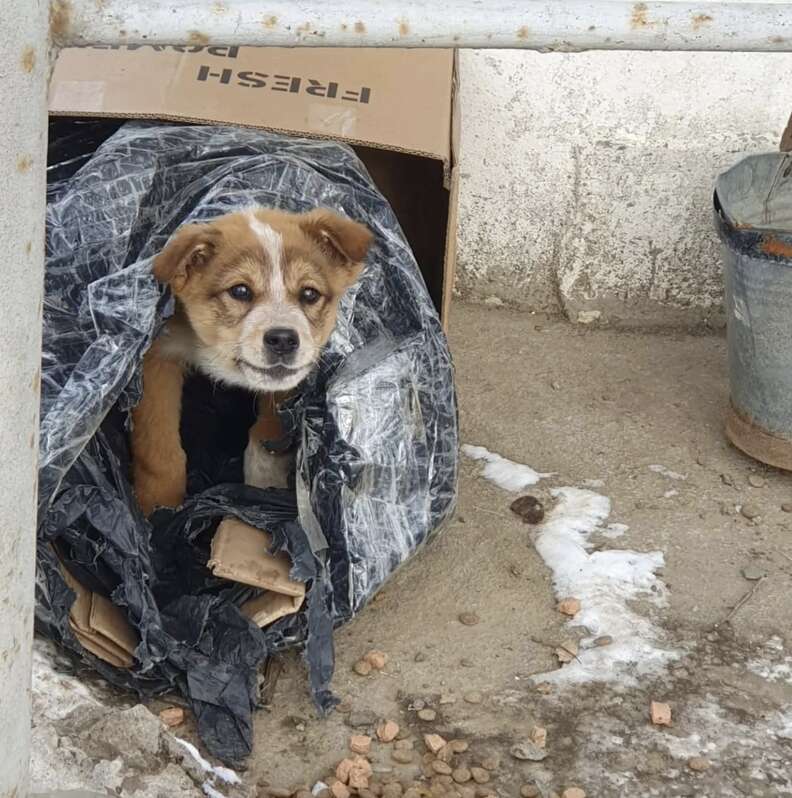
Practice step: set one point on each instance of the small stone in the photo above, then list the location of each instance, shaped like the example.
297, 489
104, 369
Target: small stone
427, 714
387, 731
544, 688
727, 479
360, 744
755, 481
362, 668
417, 705
539, 736
443, 768
567, 651
660, 713
491, 762
172, 716
461, 775
555, 385
529, 791
480, 775
466, 663
468, 618
787, 507
434, 742
573, 792
473, 697
603, 640
750, 511
515, 570
527, 752
698, 763
459, 746
447, 698
701, 460
569, 606
376, 659
493, 301
529, 508
361, 718
402, 757
345, 705
446, 753
753, 572
420, 657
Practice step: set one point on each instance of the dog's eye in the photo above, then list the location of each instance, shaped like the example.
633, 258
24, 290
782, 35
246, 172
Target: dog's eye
241, 292
309, 296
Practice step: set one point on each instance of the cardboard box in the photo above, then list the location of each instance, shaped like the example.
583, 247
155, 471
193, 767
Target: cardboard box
397, 107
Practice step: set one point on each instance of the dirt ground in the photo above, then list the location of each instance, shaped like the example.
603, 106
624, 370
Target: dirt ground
587, 405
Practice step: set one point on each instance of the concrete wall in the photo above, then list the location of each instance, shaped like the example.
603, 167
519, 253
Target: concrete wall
587, 178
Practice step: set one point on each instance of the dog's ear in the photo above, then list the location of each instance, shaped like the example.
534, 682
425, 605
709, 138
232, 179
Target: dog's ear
343, 240
192, 246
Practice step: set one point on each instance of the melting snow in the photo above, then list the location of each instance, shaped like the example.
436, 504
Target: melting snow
605, 582
504, 473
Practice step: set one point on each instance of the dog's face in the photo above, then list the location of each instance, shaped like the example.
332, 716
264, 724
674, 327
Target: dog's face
260, 289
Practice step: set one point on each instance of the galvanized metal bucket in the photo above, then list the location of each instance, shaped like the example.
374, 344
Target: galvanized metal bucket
753, 217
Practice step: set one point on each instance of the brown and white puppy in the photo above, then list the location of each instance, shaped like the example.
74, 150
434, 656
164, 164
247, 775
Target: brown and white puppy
256, 299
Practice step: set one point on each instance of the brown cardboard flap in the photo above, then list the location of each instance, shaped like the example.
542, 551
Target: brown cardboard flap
240, 552
108, 621
103, 648
269, 607
393, 98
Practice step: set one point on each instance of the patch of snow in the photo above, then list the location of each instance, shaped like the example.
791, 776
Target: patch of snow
614, 530
504, 473
605, 582
224, 774
667, 472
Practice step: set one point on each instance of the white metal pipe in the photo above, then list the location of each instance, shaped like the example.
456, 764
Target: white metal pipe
548, 25
24, 70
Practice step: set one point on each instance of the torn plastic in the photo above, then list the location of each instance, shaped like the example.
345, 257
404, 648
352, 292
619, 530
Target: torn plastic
376, 424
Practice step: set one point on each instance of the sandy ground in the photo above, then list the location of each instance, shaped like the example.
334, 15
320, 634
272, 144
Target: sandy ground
602, 410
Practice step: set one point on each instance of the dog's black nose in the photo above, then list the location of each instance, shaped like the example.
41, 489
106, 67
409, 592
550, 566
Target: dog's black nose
281, 340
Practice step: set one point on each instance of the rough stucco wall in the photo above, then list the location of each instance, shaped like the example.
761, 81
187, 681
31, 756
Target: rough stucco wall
587, 178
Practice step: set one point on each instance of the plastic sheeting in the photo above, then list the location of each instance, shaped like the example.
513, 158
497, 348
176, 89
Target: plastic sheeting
376, 424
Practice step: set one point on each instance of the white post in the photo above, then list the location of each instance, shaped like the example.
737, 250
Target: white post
24, 69
561, 25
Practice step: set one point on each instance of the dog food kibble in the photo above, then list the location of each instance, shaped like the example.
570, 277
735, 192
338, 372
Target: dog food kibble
528, 752
458, 746
473, 697
172, 716
491, 762
434, 742
343, 769
569, 606
480, 775
402, 757
698, 763
427, 714
529, 791
573, 792
376, 659
660, 713
360, 744
360, 773
603, 640
442, 768
468, 618
529, 508
339, 790
362, 668
461, 775
387, 731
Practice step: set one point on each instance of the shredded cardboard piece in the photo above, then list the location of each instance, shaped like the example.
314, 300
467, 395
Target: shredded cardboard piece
240, 553
270, 607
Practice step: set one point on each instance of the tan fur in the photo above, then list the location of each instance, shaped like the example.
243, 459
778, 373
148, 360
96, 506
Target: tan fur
276, 256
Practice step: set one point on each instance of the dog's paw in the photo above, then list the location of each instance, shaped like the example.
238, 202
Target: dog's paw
266, 470
153, 492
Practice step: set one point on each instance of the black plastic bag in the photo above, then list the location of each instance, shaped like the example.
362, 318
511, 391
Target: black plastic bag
376, 424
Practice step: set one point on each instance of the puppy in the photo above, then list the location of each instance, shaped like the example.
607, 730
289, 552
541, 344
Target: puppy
256, 300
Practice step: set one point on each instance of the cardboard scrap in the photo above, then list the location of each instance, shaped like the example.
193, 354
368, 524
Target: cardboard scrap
660, 713
240, 552
100, 626
270, 607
